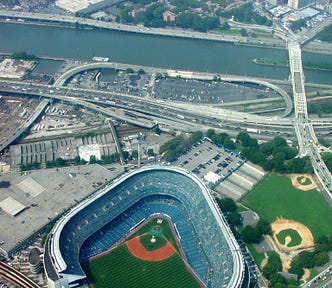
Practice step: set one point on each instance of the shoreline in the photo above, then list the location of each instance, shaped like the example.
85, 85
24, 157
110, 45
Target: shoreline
69, 21
269, 62
85, 24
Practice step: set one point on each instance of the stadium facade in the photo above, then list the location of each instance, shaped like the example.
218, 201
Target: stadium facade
110, 214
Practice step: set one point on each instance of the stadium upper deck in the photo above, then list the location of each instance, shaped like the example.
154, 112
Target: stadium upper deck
223, 262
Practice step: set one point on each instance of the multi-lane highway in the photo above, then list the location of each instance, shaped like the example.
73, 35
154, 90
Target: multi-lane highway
301, 123
305, 133
24, 126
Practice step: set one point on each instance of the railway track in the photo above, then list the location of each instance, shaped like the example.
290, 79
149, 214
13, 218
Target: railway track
16, 277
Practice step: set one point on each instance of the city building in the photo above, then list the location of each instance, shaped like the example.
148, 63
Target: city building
297, 4
169, 16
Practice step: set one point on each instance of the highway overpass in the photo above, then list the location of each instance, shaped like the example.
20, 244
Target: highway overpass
306, 136
63, 78
23, 127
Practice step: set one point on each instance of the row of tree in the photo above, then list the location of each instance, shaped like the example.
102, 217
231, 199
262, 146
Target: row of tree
309, 259
327, 158
254, 234
173, 149
320, 108
30, 166
196, 22
245, 14
271, 271
23, 56
325, 34
299, 24
272, 155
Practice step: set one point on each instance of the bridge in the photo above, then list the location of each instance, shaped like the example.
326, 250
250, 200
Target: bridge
305, 133
24, 126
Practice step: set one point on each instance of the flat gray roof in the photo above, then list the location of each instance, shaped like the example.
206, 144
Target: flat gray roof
42, 195
11, 206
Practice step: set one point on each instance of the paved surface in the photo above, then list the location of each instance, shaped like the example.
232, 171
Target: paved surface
59, 190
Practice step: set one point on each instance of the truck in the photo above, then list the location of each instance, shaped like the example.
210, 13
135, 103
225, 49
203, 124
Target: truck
252, 130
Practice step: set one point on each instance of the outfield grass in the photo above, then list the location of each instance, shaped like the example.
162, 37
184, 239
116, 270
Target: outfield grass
121, 269
275, 197
296, 238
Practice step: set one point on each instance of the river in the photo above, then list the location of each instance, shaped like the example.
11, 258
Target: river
158, 51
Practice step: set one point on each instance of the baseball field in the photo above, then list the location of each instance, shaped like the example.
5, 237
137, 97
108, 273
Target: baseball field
276, 197
148, 258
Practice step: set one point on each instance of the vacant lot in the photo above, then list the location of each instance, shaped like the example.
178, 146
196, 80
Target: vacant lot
275, 197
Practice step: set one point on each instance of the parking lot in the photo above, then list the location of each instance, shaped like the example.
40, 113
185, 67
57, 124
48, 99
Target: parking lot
222, 169
216, 92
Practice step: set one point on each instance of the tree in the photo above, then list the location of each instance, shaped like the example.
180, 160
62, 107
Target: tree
264, 227
134, 154
250, 234
228, 205
327, 158
279, 142
273, 265
235, 218
296, 268
306, 259
277, 279
228, 143
210, 133
125, 155
59, 162
321, 258
243, 32
157, 130
244, 139
77, 160
93, 159
129, 70
141, 72
150, 152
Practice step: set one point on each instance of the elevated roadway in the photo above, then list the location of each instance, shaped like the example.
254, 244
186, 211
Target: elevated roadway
306, 136
62, 79
24, 126
72, 20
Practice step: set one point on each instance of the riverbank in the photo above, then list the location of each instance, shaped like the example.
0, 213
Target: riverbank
283, 63
83, 23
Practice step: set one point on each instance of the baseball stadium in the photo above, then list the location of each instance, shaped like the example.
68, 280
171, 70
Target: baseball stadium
107, 218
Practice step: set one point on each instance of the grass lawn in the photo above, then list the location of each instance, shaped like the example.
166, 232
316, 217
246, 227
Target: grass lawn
275, 197
313, 273
121, 269
240, 208
258, 257
296, 238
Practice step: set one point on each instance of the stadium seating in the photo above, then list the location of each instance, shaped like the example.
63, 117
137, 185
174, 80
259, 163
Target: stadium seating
109, 218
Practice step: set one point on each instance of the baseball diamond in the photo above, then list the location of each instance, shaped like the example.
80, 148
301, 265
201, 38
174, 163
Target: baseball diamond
107, 217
